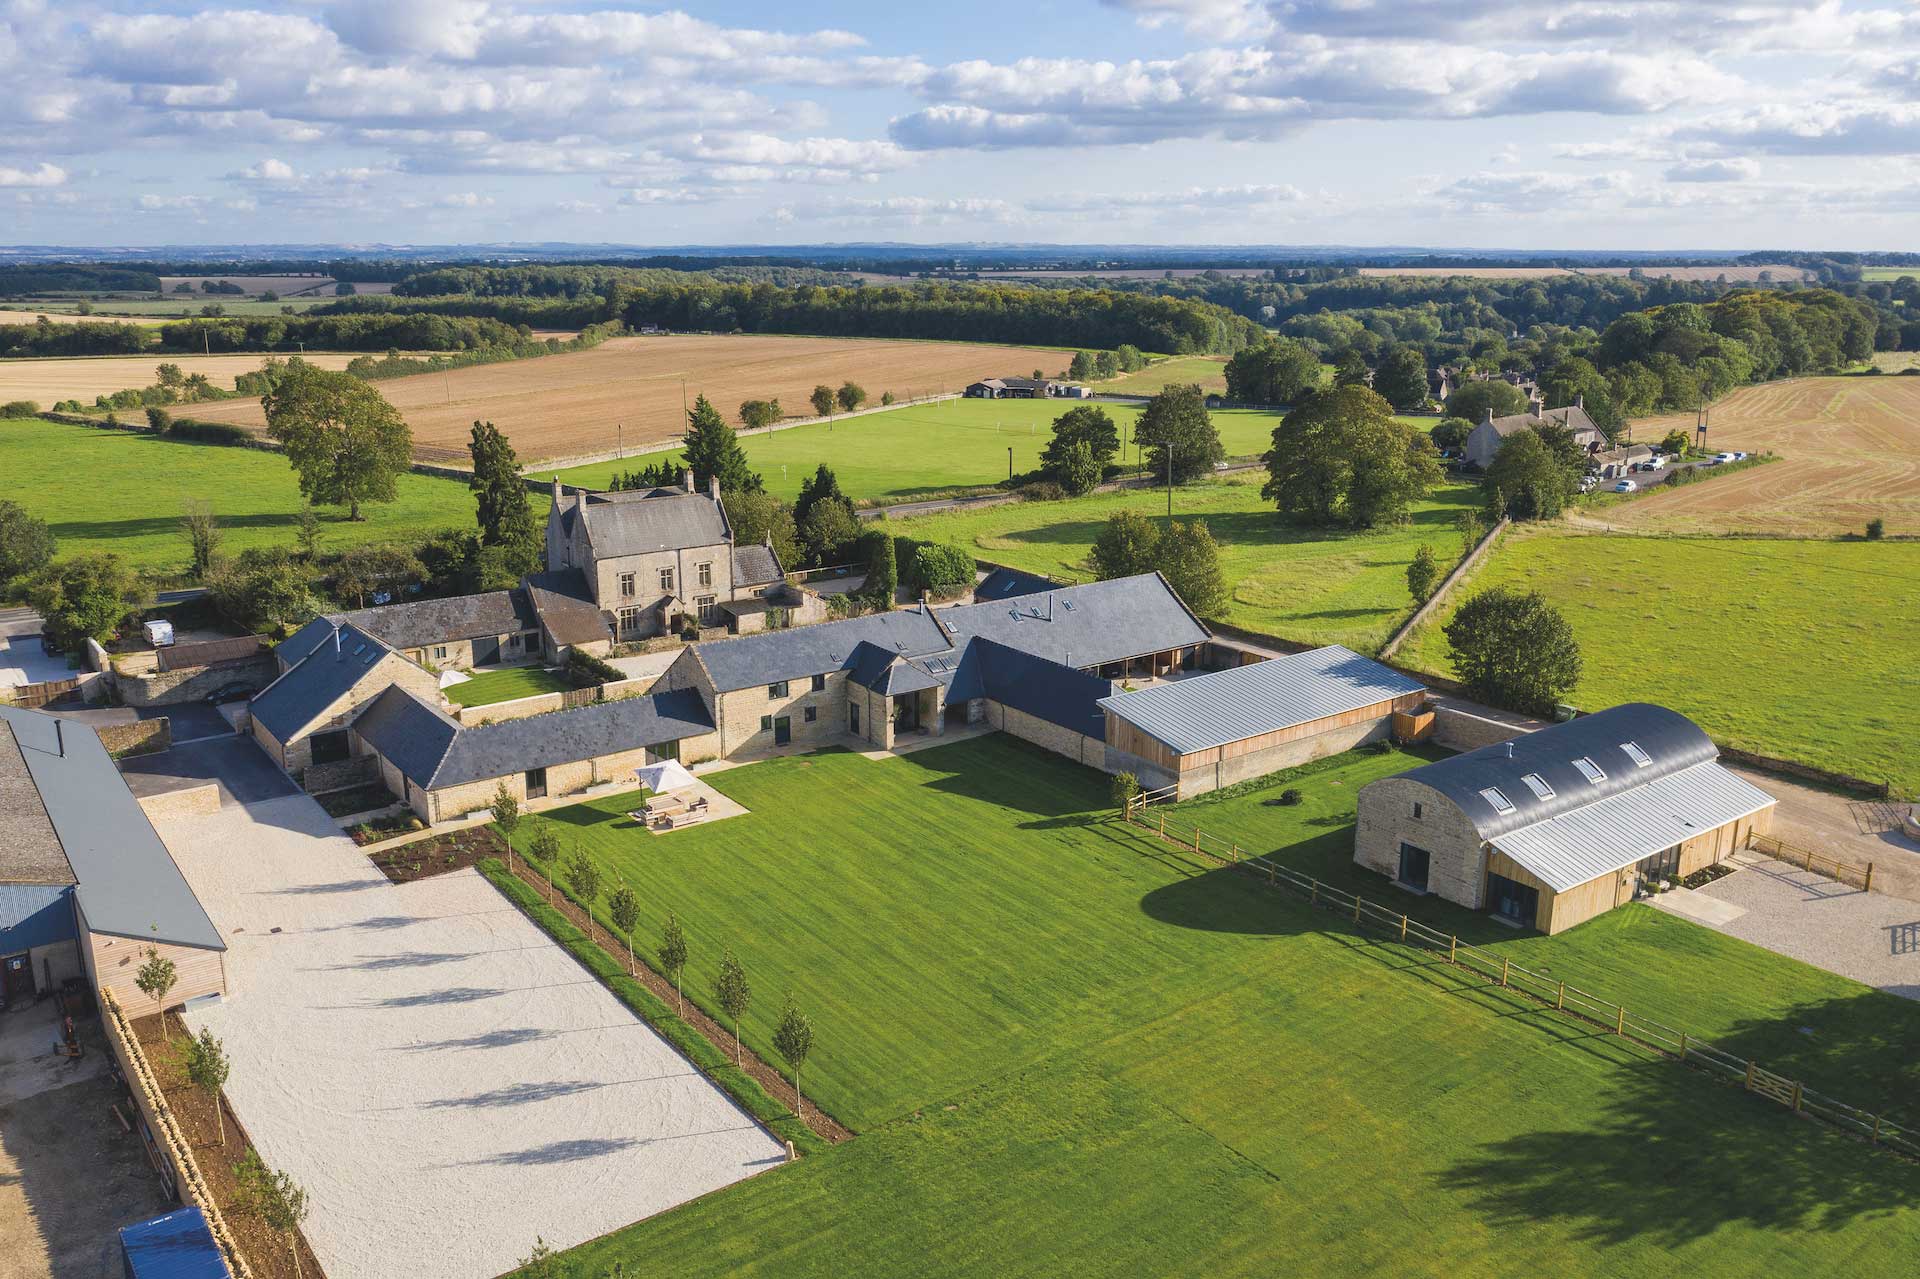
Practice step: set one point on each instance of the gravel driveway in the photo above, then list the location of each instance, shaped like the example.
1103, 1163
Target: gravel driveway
445, 1082
1869, 937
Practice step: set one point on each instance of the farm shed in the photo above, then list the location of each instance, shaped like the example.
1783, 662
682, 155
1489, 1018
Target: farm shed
1209, 731
85, 883
1554, 827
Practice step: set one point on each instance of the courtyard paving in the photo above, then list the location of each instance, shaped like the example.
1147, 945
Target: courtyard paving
445, 1082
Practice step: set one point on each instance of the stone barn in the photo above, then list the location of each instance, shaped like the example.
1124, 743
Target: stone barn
1554, 827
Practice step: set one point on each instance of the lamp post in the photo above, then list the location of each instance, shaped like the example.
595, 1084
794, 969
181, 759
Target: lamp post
1009, 461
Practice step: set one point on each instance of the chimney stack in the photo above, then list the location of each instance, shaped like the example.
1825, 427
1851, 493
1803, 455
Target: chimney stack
556, 486
713, 487
686, 477
1488, 419
1580, 401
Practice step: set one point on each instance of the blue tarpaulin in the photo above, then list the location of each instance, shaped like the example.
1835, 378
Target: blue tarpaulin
176, 1245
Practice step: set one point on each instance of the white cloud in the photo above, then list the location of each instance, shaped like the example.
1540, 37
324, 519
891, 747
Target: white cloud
1822, 129
41, 175
464, 200
1490, 191
1737, 169
154, 203
1217, 19
267, 170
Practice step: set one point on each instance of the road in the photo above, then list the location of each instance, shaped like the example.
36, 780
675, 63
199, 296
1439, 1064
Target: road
904, 510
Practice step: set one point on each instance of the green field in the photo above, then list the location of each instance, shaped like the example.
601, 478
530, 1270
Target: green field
1796, 649
1209, 372
929, 448
1308, 585
1068, 1049
1887, 274
124, 492
150, 312
505, 686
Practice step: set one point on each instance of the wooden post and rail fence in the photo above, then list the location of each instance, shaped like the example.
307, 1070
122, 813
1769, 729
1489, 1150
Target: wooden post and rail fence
1552, 992
1805, 858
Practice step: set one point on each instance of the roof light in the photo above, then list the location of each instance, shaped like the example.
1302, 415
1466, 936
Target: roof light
1495, 796
1590, 770
1538, 785
1639, 757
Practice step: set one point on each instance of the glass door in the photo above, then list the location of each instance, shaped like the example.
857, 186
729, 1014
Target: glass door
1414, 866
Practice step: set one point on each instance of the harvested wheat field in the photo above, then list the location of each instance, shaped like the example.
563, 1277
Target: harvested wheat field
1732, 274
83, 377
1850, 450
563, 406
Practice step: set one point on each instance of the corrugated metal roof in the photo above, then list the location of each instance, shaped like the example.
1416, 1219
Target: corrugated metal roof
1205, 711
34, 915
177, 1245
1573, 847
1669, 739
128, 883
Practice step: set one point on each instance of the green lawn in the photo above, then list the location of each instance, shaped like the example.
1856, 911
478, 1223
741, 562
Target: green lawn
1308, 585
929, 448
1209, 372
505, 686
1068, 1049
124, 492
1797, 649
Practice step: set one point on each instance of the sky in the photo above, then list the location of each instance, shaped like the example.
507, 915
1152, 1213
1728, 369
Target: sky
1586, 124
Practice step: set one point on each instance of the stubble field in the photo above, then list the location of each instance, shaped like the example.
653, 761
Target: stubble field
1850, 450
83, 377
570, 405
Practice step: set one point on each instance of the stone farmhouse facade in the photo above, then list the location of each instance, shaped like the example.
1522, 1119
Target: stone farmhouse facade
648, 558
1483, 442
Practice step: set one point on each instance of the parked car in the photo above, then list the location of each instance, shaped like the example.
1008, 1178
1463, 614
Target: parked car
1626, 486
1653, 463
1719, 458
1588, 483
1739, 457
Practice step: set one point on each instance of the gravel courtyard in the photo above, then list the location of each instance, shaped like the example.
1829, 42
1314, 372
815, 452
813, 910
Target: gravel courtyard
445, 1082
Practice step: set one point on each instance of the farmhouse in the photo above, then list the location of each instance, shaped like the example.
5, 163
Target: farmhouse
329, 670
1485, 439
86, 886
646, 558
1560, 825
1213, 730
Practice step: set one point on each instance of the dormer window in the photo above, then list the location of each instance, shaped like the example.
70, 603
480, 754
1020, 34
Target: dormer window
1538, 785
1495, 796
1639, 757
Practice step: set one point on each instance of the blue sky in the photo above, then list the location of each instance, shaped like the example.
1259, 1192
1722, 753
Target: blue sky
1584, 124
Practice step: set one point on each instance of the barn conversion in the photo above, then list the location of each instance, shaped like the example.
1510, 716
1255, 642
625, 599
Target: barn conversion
1554, 827
85, 883
1208, 731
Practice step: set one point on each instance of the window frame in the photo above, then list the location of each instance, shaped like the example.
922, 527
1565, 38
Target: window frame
666, 580
704, 572
778, 689
809, 714
819, 683
629, 585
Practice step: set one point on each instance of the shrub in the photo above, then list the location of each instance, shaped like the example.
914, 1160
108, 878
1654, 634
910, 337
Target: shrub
936, 564
20, 408
584, 670
1125, 787
158, 419
1876, 529
1042, 491
1291, 796
221, 433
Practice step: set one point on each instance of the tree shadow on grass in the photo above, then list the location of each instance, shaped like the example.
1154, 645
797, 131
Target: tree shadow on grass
1224, 900
1676, 1159
1009, 773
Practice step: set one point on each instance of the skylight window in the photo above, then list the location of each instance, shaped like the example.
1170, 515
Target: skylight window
1639, 757
1538, 785
1495, 796
1590, 770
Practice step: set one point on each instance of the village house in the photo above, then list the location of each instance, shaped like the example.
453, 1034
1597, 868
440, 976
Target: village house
1483, 443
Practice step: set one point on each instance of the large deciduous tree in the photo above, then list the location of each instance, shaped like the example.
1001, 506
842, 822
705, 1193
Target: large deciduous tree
1175, 424
1472, 400
86, 597
1084, 441
1532, 476
346, 443
1401, 379
1189, 558
1514, 649
1339, 458
26, 547
1272, 373
1125, 547
762, 517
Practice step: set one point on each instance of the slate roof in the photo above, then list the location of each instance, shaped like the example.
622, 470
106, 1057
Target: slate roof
561, 601
30, 852
1034, 685
128, 883
755, 566
1005, 583
434, 752
1572, 416
1205, 711
420, 623
1670, 741
1610, 834
1083, 625
296, 646
636, 522
803, 651
322, 677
